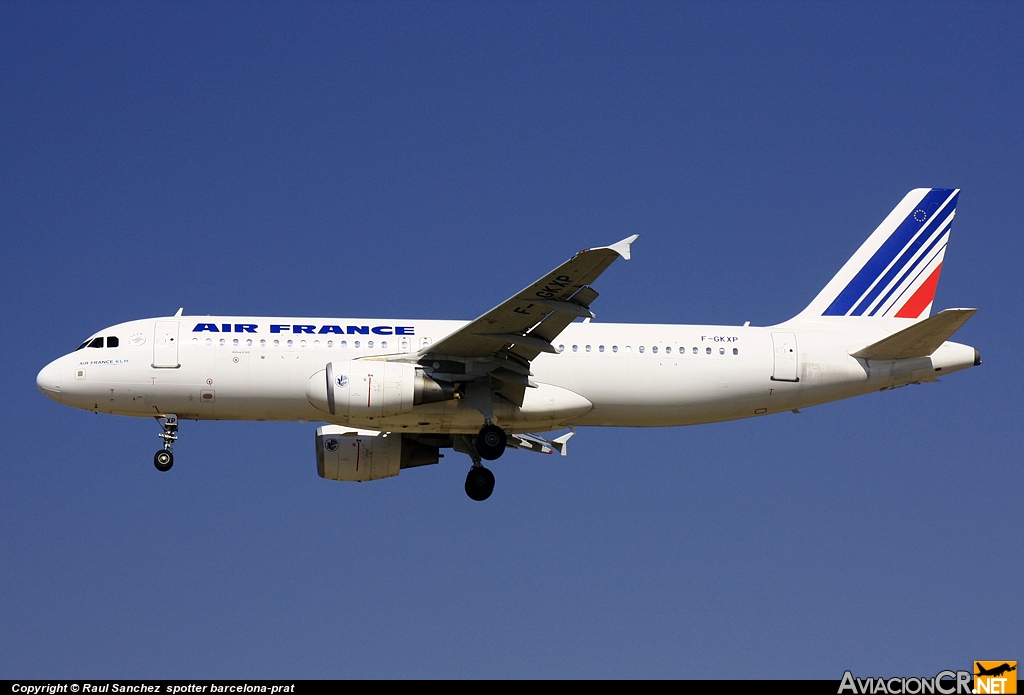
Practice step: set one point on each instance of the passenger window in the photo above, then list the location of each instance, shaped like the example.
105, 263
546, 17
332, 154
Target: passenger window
195, 341
641, 348
343, 344
369, 344
302, 343
221, 341
355, 344
600, 348
96, 343
575, 348
708, 351
209, 342
235, 342
561, 348
248, 342
330, 343
112, 341
277, 343
668, 350
721, 351
588, 348
735, 351
384, 344
629, 349
263, 342
291, 343
655, 349
695, 351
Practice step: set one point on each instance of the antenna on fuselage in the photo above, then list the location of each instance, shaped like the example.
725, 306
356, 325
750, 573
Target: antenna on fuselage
181, 309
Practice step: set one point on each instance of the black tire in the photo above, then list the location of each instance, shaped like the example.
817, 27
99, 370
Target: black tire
163, 460
479, 483
490, 442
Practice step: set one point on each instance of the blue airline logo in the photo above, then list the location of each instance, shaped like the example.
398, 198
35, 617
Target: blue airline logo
297, 329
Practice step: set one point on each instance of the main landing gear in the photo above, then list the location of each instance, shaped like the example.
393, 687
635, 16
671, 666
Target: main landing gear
479, 483
164, 458
488, 444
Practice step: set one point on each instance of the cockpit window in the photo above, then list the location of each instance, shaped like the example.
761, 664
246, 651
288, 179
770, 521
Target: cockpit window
112, 341
81, 346
96, 342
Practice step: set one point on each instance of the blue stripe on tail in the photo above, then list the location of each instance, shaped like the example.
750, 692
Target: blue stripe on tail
892, 246
935, 223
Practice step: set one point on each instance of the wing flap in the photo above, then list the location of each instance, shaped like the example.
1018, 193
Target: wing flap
919, 340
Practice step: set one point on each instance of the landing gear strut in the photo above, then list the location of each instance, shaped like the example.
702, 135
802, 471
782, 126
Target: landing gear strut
164, 458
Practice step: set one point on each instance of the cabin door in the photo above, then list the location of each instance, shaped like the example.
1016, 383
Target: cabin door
165, 345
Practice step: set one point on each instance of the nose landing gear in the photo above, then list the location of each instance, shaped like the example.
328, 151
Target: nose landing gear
164, 458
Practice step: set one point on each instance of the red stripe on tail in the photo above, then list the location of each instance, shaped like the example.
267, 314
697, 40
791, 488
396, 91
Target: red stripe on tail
922, 298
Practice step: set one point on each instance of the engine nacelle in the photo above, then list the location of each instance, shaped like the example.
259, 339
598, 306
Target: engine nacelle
346, 454
361, 392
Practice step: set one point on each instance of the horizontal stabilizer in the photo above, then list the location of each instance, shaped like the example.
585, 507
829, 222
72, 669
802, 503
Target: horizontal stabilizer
919, 340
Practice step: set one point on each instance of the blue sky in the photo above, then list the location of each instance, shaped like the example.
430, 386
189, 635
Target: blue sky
427, 160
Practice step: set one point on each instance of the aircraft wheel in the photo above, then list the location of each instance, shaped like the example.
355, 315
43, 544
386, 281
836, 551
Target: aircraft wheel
479, 483
490, 442
163, 460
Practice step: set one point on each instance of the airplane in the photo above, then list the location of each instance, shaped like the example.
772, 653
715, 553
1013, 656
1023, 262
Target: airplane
995, 671
393, 393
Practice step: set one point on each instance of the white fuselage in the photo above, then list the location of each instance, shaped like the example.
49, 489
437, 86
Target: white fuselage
633, 375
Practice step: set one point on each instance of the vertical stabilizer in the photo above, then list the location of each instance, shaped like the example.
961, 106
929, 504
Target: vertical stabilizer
895, 272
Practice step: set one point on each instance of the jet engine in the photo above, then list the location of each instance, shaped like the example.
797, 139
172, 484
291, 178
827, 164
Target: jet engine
343, 453
363, 391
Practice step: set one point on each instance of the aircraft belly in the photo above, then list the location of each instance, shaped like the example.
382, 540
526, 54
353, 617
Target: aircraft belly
652, 392
545, 408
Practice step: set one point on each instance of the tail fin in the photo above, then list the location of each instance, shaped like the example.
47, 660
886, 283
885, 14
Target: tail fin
895, 272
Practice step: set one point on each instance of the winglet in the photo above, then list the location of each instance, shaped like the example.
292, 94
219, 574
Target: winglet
622, 247
561, 444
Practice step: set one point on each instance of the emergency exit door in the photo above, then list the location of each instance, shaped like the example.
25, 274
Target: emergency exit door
165, 345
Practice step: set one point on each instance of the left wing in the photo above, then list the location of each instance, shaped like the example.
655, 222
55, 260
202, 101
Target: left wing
526, 323
537, 443
504, 341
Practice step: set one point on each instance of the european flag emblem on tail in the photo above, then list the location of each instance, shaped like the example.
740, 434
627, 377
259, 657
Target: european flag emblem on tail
895, 272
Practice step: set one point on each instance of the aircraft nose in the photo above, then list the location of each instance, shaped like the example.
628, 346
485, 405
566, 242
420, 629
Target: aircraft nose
48, 380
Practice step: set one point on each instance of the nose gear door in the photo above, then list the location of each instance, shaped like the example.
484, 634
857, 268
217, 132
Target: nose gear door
165, 345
